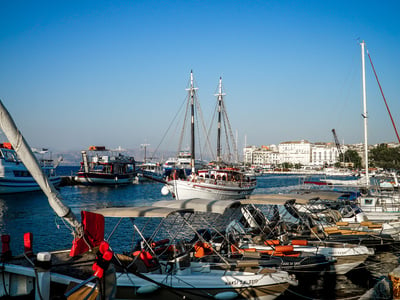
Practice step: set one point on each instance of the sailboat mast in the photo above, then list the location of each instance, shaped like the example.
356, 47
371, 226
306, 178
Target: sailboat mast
220, 97
365, 115
192, 143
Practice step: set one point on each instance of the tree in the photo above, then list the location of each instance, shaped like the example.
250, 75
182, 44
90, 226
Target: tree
384, 157
287, 165
298, 166
353, 157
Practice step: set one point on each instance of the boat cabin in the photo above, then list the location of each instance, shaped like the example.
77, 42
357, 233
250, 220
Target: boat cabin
224, 174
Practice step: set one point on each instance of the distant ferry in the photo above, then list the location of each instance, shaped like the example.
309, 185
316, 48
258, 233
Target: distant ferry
14, 176
101, 166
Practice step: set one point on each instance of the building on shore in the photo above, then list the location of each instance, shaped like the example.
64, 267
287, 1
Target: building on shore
294, 152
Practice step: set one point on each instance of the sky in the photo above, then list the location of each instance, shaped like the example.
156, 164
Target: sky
114, 73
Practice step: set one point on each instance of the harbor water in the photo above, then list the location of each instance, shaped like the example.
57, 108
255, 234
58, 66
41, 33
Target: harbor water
31, 212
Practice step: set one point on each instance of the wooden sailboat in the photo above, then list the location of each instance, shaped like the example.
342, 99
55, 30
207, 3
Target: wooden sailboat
221, 182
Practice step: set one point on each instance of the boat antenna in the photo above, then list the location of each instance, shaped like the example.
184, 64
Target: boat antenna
24, 152
384, 99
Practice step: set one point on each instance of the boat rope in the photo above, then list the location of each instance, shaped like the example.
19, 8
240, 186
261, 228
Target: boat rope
384, 99
209, 131
183, 126
168, 128
228, 130
207, 138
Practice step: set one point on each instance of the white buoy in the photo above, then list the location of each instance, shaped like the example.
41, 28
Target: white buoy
165, 190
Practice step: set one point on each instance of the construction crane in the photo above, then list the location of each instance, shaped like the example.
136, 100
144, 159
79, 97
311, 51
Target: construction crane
337, 143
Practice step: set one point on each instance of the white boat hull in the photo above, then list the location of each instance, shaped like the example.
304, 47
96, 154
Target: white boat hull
16, 185
20, 281
347, 256
199, 282
183, 190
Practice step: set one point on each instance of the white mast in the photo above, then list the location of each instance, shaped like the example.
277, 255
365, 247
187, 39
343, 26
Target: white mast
192, 91
365, 115
237, 151
220, 99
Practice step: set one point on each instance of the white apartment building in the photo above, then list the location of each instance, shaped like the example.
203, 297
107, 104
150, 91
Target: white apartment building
324, 154
294, 152
261, 156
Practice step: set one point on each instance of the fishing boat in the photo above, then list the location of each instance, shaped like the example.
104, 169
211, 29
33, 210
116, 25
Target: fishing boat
221, 182
15, 177
101, 166
151, 171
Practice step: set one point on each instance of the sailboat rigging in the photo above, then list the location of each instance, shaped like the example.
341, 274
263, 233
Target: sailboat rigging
383, 96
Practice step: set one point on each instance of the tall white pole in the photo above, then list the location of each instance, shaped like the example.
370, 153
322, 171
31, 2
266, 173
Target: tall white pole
237, 151
365, 114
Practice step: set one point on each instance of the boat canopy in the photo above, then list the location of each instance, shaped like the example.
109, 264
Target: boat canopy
326, 195
139, 211
273, 199
200, 205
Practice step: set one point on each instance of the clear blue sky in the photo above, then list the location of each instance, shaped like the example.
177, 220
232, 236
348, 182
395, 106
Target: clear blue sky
114, 73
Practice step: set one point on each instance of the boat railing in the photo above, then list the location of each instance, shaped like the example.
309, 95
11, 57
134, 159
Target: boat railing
227, 182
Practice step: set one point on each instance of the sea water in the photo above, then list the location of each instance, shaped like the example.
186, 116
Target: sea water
31, 212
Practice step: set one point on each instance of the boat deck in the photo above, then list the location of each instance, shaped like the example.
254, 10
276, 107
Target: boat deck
79, 267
